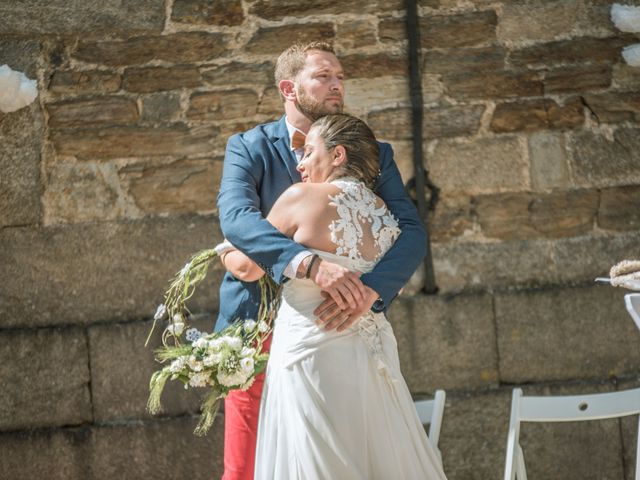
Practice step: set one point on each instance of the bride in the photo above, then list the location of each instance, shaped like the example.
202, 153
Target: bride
335, 404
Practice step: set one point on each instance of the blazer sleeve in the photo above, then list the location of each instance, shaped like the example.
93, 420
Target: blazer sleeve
396, 267
241, 219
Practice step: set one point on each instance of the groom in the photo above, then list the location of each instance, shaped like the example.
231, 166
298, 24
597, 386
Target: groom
259, 165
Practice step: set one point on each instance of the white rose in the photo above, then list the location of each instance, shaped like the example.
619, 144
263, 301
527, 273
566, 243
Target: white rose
247, 352
176, 329
215, 344
263, 326
202, 342
194, 364
249, 325
247, 365
234, 343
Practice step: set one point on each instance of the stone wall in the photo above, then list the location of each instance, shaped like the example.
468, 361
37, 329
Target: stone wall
108, 183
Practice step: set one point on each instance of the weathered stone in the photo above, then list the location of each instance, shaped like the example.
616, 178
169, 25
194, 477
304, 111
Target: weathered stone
457, 60
619, 208
439, 122
498, 84
355, 34
291, 8
549, 167
177, 47
47, 378
451, 219
564, 334
95, 196
120, 392
122, 142
599, 161
458, 30
524, 215
576, 79
162, 449
376, 65
392, 30
227, 105
21, 135
434, 331
236, 73
19, 54
613, 107
29, 17
84, 82
185, 186
157, 79
271, 103
532, 115
626, 76
161, 108
268, 40
576, 50
208, 12
96, 111
483, 165
83, 274
51, 454
477, 266
474, 434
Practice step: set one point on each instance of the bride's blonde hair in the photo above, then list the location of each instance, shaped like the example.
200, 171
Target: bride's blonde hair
358, 140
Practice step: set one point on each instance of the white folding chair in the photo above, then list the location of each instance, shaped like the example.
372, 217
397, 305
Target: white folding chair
431, 412
564, 409
632, 302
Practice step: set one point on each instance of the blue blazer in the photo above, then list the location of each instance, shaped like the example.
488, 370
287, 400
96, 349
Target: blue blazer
258, 166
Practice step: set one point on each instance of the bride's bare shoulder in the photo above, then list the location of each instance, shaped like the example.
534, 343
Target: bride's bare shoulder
308, 191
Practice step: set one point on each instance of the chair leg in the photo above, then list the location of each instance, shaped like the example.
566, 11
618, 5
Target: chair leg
638, 451
521, 472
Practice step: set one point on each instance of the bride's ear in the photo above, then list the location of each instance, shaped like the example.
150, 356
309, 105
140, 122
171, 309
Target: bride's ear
339, 156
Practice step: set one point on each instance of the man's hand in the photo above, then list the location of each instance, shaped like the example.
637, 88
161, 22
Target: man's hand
343, 285
331, 316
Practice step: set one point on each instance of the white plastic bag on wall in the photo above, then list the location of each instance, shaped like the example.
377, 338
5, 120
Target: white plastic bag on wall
631, 55
626, 18
16, 90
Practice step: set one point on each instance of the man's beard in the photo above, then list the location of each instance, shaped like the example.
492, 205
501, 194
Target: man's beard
313, 109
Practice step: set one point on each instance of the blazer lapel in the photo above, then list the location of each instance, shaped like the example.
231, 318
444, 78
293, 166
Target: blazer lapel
282, 145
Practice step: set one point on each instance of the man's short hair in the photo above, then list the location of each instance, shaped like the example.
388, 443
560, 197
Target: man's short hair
291, 61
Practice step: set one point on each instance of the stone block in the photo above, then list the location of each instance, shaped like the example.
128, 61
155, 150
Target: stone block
208, 12
577, 79
237, 73
618, 208
19, 54
475, 266
614, 107
518, 216
157, 79
477, 166
540, 114
95, 196
227, 105
474, 434
88, 273
446, 342
84, 82
161, 108
458, 30
392, 30
564, 334
50, 454
548, 162
576, 50
458, 60
126, 142
21, 134
103, 110
184, 186
290, 8
177, 47
268, 40
452, 218
163, 449
46, 375
121, 367
497, 84
626, 76
359, 65
62, 17
270, 103
603, 161
355, 34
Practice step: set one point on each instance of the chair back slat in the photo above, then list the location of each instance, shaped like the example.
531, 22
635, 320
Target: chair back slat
632, 302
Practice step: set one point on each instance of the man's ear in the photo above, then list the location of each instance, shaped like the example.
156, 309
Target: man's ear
339, 156
287, 89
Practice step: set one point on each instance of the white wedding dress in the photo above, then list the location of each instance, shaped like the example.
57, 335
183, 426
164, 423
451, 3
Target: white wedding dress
335, 405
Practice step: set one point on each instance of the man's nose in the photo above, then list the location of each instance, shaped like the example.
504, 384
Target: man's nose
337, 84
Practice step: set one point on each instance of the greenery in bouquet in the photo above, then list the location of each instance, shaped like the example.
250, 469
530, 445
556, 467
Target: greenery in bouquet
221, 361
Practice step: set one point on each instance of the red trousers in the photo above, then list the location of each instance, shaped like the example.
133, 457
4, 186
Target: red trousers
241, 411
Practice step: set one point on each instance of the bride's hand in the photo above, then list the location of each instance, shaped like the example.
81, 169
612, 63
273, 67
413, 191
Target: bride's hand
343, 285
332, 317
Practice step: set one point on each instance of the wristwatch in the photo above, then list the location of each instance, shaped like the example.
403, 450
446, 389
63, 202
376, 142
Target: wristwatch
378, 306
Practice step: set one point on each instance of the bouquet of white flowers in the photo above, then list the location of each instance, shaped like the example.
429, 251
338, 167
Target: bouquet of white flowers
222, 361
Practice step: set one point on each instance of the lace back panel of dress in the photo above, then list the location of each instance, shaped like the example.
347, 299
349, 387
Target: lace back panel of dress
365, 228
